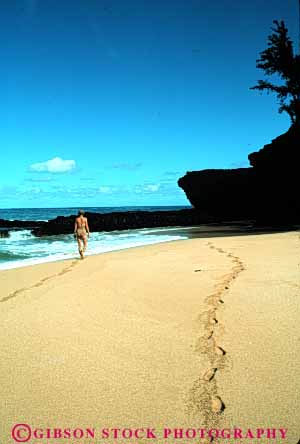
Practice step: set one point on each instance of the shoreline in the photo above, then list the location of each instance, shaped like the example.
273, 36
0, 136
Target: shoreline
176, 333
179, 233
164, 231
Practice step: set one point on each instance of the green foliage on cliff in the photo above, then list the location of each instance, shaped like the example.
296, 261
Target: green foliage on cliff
279, 59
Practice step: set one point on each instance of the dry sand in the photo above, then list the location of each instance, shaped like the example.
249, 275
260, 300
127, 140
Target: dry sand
200, 333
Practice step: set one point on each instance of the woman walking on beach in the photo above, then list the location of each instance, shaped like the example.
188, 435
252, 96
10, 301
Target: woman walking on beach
81, 232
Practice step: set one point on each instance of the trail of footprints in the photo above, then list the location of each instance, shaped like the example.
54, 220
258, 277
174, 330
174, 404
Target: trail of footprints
204, 395
40, 282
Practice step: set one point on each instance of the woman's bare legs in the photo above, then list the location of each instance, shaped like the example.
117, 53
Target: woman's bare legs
80, 249
84, 243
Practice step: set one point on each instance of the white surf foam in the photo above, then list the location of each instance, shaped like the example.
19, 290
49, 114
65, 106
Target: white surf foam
57, 248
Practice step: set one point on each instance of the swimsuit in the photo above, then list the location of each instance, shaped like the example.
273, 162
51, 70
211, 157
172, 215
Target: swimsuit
81, 232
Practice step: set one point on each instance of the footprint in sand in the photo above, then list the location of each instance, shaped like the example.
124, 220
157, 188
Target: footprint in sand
220, 351
213, 321
206, 344
208, 335
217, 405
39, 283
209, 374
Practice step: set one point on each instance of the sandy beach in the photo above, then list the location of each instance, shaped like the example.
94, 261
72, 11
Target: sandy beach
199, 333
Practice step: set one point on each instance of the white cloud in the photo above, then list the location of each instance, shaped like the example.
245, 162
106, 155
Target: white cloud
55, 165
104, 189
152, 187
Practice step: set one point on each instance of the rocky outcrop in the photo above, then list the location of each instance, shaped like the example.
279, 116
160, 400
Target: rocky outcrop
6, 226
283, 153
4, 233
224, 194
276, 168
267, 191
25, 224
124, 221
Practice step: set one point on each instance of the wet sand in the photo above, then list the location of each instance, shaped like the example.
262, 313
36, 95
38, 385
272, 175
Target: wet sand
199, 333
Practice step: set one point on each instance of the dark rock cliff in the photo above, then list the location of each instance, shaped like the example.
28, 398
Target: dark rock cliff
277, 167
224, 194
267, 191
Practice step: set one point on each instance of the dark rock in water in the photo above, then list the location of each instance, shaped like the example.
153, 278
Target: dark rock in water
224, 194
4, 233
25, 224
124, 221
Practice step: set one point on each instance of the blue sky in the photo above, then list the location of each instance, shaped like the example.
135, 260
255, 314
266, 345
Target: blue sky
107, 103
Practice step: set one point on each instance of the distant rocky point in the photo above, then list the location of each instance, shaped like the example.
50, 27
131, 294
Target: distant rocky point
123, 220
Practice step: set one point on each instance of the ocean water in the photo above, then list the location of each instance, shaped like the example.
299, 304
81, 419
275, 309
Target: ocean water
23, 249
